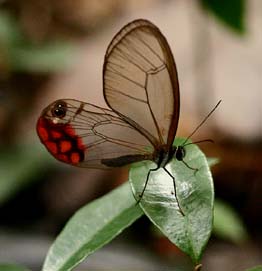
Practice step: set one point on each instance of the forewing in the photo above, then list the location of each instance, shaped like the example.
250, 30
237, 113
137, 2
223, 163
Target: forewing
91, 136
140, 81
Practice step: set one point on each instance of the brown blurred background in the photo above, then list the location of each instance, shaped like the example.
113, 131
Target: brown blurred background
55, 49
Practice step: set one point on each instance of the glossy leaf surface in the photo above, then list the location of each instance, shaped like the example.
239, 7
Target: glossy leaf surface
93, 226
196, 197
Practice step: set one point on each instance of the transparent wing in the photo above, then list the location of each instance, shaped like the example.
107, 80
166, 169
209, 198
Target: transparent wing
86, 135
140, 81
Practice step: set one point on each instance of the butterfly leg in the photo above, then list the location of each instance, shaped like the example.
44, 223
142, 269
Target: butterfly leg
175, 191
145, 185
188, 166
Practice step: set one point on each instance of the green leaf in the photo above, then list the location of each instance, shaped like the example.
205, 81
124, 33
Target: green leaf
227, 223
229, 12
92, 227
11, 267
195, 193
256, 268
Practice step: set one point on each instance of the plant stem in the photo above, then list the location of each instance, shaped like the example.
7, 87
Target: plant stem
198, 267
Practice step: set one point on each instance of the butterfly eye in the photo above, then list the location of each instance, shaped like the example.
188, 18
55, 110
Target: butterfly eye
59, 110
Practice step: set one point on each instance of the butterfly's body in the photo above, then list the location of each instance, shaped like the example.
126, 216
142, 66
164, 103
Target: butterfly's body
163, 156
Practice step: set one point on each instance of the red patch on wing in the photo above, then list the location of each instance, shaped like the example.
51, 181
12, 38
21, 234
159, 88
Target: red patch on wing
69, 130
41, 130
52, 147
80, 144
56, 134
61, 141
63, 158
65, 146
75, 157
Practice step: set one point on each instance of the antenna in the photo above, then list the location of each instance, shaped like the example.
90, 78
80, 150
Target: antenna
200, 141
202, 122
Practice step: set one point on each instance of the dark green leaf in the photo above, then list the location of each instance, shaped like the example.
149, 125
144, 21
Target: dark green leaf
229, 12
11, 267
195, 193
256, 268
92, 227
227, 223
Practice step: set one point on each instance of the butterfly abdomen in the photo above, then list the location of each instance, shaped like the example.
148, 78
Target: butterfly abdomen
124, 160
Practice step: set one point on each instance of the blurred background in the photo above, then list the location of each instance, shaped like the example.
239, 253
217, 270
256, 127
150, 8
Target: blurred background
55, 49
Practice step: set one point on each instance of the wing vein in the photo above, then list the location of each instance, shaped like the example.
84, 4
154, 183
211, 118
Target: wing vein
126, 57
112, 70
126, 95
150, 48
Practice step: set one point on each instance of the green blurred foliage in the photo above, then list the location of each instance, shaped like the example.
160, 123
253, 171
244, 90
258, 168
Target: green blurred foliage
256, 268
227, 223
231, 12
17, 53
19, 166
12, 267
212, 161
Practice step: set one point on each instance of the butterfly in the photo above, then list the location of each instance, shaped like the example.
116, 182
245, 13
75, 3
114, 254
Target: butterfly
140, 86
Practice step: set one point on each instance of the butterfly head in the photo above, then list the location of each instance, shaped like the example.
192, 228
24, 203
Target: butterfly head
180, 152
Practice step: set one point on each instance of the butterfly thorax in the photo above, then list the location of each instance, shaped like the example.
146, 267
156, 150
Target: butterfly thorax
164, 155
